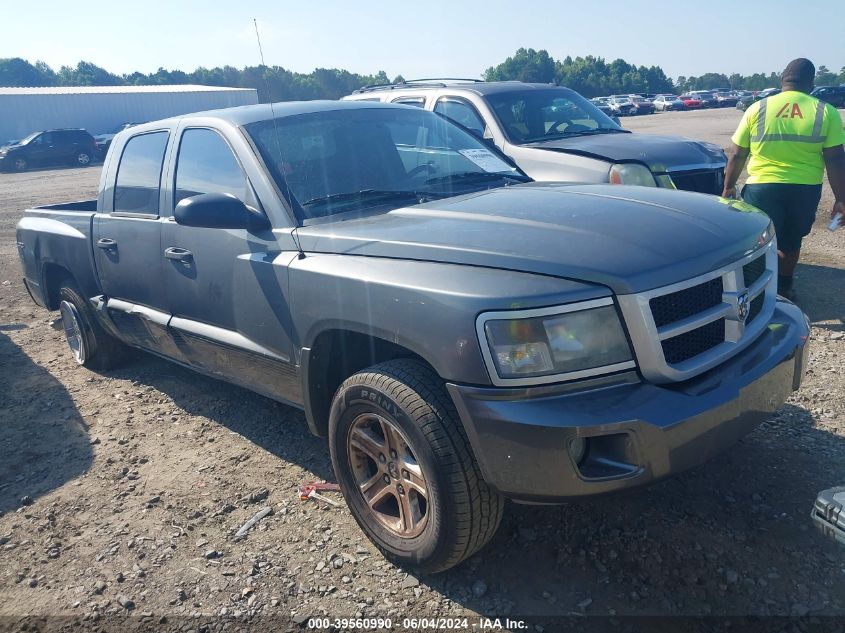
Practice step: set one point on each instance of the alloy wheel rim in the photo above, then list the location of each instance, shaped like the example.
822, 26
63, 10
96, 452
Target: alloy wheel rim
73, 331
83, 159
389, 479
20, 163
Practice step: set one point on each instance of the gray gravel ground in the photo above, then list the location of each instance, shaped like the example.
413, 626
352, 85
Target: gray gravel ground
120, 493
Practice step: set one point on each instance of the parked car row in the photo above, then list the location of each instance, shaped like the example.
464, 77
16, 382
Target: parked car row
62, 146
626, 105
748, 99
633, 104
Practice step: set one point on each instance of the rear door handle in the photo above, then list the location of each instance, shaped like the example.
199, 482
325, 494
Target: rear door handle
107, 244
179, 254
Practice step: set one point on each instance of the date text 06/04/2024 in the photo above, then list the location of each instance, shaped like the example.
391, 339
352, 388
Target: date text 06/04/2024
417, 624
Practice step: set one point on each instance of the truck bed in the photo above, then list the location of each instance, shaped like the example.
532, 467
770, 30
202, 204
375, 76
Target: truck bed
80, 205
54, 241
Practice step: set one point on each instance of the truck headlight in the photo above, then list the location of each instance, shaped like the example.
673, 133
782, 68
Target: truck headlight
553, 344
631, 174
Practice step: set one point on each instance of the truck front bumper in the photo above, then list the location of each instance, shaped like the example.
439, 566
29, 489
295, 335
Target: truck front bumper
634, 432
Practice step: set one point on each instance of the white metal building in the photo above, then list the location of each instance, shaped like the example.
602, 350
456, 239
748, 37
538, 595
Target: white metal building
99, 109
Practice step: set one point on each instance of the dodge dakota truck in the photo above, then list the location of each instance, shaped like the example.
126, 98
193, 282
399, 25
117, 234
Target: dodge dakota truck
458, 333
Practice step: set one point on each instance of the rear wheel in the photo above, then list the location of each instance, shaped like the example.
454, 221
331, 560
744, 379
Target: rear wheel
90, 345
83, 159
406, 468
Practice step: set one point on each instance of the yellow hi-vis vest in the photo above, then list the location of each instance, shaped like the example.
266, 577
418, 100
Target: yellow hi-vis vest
786, 134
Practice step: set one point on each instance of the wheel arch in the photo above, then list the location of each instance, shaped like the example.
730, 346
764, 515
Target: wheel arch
52, 276
334, 355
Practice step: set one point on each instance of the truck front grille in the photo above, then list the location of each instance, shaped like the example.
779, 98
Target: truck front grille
702, 181
684, 303
751, 271
682, 330
756, 307
691, 344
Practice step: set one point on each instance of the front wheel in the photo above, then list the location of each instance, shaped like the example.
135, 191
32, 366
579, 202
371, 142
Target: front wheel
406, 468
20, 164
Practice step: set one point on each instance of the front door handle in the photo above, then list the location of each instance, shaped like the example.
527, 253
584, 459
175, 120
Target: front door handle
179, 254
107, 244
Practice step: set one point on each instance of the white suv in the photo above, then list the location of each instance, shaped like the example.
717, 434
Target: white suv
554, 134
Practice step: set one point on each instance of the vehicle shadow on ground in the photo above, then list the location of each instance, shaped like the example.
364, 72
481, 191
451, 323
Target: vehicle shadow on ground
820, 294
43, 439
274, 427
680, 547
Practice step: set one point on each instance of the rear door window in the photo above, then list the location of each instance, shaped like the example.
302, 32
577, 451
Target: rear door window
138, 181
461, 112
206, 164
412, 101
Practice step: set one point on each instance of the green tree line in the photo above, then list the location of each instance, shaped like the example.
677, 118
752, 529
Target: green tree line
272, 82
591, 76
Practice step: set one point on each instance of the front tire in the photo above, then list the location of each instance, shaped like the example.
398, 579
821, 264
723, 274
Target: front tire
20, 164
90, 345
406, 468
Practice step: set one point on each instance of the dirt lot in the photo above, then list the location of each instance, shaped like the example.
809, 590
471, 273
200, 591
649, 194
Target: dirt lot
120, 492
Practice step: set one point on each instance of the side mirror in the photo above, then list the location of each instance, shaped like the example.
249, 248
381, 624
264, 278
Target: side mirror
218, 211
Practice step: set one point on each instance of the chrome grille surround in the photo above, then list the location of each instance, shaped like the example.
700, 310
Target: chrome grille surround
739, 331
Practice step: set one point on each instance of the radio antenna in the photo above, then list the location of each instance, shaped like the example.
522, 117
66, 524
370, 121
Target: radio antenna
287, 192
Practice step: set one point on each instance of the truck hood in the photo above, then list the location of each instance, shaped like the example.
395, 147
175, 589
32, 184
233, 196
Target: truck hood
660, 153
629, 239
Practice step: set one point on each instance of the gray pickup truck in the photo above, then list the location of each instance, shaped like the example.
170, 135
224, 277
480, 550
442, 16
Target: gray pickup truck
460, 334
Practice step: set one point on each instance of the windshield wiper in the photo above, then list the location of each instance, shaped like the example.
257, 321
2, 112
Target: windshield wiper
365, 195
476, 176
599, 130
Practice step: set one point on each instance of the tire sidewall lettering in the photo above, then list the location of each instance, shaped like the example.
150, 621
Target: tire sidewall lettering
359, 394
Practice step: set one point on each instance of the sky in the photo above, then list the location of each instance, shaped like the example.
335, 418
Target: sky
432, 38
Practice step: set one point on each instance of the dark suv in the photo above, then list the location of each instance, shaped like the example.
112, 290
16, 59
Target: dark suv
68, 146
834, 95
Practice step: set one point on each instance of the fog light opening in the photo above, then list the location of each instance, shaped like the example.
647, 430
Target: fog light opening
577, 450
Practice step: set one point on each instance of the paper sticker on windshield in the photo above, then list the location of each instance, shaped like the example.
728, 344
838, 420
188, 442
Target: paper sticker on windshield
485, 159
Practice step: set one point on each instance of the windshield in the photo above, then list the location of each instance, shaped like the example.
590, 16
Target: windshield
351, 160
527, 116
27, 139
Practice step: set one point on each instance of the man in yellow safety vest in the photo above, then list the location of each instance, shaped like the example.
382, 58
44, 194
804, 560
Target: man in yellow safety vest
790, 137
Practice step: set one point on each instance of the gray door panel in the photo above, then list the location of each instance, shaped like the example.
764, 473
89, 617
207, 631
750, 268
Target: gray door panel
127, 248
228, 290
229, 306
